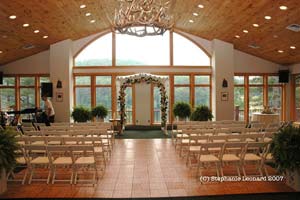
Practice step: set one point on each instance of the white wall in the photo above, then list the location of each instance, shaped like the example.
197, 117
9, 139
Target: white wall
246, 63
295, 69
35, 64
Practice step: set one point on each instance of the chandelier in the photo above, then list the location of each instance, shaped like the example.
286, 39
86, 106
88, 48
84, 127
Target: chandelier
142, 18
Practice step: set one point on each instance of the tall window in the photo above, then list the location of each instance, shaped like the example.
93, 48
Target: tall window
182, 89
297, 100
103, 93
7, 94
27, 92
261, 90
239, 98
202, 90
83, 91
256, 94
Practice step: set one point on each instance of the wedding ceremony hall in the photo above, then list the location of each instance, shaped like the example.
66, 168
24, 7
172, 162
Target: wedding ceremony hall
183, 99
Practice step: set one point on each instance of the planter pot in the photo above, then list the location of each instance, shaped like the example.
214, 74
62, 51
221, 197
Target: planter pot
3, 182
293, 179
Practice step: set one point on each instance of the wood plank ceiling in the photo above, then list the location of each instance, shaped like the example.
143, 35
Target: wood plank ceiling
221, 19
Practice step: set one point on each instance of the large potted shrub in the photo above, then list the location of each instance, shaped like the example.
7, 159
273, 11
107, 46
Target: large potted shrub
100, 112
182, 110
81, 114
285, 148
202, 113
8, 148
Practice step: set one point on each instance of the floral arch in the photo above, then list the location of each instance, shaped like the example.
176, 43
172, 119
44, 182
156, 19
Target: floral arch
159, 81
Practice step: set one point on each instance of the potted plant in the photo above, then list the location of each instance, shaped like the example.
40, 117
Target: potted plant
285, 149
81, 114
100, 112
8, 148
202, 113
182, 110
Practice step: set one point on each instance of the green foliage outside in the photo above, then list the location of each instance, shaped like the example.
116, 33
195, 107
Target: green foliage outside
182, 110
202, 113
285, 148
81, 114
8, 148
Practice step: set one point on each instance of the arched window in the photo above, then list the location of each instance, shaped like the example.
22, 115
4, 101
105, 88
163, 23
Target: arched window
142, 51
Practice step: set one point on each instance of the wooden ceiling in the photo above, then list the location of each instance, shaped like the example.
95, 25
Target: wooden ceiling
221, 19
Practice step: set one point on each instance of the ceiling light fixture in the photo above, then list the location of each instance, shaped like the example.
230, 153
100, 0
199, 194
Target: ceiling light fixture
283, 7
237, 36
83, 6
245, 31
45, 36
92, 21
25, 25
200, 6
36, 31
292, 47
1, 51
267, 17
256, 25
280, 51
88, 14
191, 21
195, 14
142, 18
12, 17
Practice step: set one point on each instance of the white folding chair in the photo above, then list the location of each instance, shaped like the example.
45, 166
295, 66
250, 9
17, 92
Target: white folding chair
60, 156
194, 146
84, 157
36, 160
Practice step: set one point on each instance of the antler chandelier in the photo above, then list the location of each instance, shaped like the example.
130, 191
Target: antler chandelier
142, 17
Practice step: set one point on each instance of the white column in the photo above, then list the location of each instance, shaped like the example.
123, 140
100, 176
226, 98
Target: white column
61, 64
223, 68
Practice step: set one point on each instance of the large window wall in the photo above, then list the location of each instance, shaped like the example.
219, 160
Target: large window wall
296, 97
253, 92
21, 92
92, 90
122, 54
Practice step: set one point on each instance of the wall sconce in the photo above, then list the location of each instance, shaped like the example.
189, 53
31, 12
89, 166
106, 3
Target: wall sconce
225, 83
59, 84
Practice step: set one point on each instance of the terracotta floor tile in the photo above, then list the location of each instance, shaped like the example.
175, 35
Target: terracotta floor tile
144, 168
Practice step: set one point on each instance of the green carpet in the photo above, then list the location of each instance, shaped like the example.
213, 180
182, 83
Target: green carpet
142, 134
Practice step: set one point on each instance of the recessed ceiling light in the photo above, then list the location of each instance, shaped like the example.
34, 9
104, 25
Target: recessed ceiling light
25, 25
283, 7
12, 17
256, 25
82, 6
4, 36
195, 14
237, 36
268, 17
87, 14
292, 47
45, 36
92, 21
1, 51
280, 51
275, 36
245, 31
36, 31
191, 21
200, 6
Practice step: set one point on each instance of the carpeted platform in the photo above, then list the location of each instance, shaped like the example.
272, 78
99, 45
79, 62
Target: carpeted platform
142, 134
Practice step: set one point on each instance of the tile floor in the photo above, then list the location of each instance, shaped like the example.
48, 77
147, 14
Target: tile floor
144, 168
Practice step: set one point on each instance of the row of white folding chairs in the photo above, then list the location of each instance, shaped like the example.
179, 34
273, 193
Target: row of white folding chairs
237, 153
101, 144
50, 157
193, 139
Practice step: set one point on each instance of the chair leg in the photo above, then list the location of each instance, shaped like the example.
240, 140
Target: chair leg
217, 168
75, 179
25, 176
72, 175
54, 173
238, 169
31, 174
